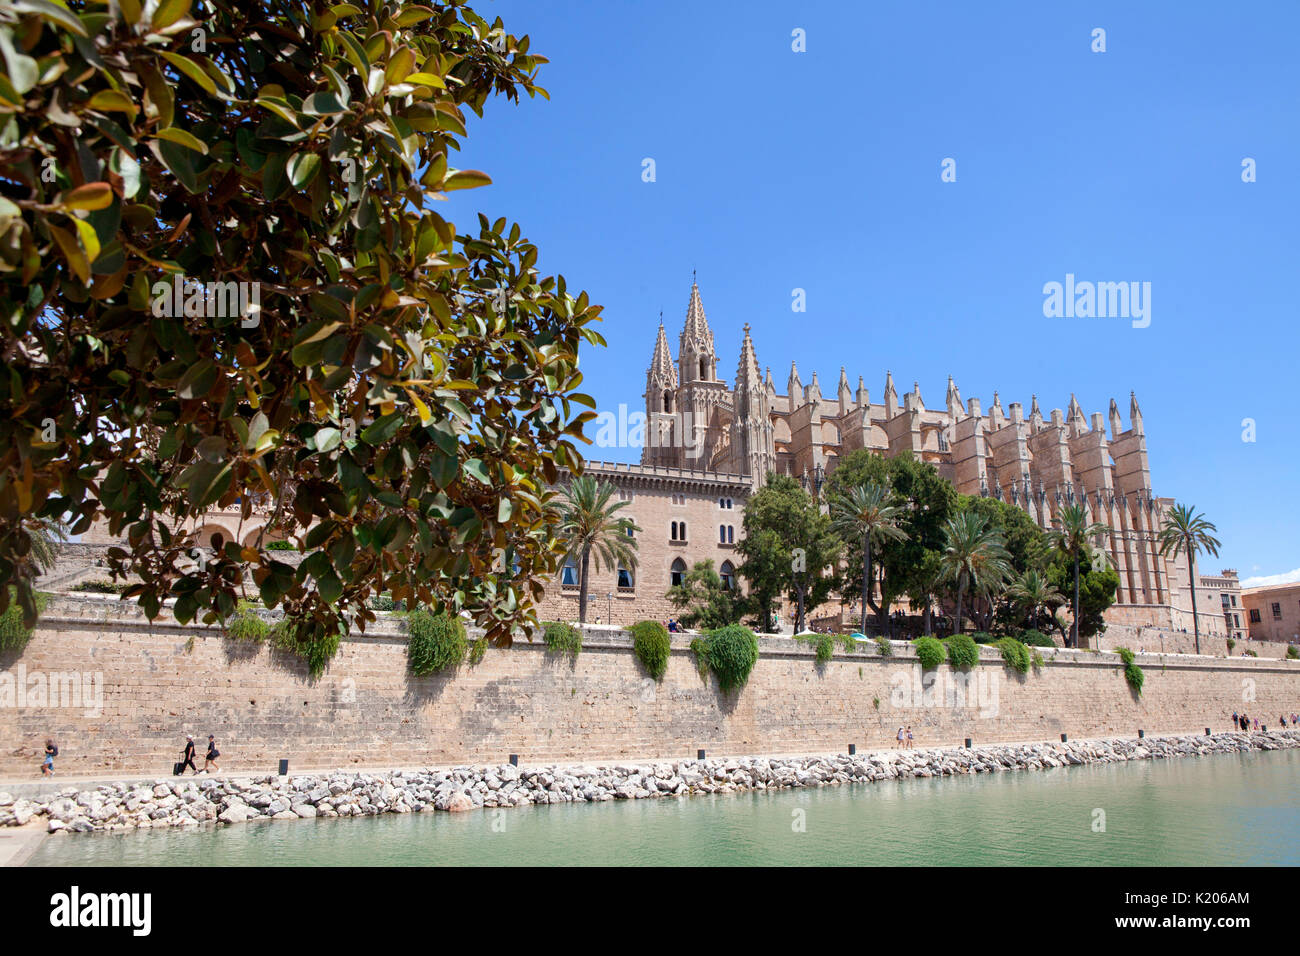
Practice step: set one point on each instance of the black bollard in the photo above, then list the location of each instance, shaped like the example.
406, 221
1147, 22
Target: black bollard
1063, 738
699, 755
514, 760
968, 743
284, 767
853, 748
1141, 734
1207, 731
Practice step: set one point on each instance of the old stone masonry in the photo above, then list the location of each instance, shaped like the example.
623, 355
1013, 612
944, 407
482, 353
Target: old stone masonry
192, 803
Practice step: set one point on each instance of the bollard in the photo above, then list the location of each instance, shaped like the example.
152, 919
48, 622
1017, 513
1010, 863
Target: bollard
284, 767
968, 743
1063, 738
514, 760
853, 748
699, 755
1207, 731
1141, 733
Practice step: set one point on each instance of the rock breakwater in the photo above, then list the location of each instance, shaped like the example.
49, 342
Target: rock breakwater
199, 801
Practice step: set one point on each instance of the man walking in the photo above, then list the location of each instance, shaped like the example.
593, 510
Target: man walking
187, 759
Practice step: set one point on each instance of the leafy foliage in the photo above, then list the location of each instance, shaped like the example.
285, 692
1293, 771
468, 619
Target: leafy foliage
14, 631
963, 652
929, 652
1186, 532
246, 624
562, 638
1036, 639
867, 514
1070, 537
1097, 588
884, 645
652, 645
436, 642
974, 559
730, 652
1132, 672
315, 642
399, 391
1014, 654
1292, 652
705, 602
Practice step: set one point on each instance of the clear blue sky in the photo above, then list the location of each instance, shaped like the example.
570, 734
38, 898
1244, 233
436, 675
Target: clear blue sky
821, 170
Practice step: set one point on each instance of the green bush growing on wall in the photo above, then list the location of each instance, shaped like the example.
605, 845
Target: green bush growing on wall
476, 650
849, 642
246, 624
651, 643
1292, 652
929, 651
825, 648
963, 652
1249, 653
1231, 644
562, 638
1036, 639
13, 635
1015, 654
730, 652
281, 546
983, 637
436, 642
1132, 673
886, 648
313, 641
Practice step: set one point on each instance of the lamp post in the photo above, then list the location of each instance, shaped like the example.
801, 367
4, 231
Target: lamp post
610, 597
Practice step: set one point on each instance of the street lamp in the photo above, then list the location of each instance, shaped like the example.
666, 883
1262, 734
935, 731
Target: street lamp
610, 596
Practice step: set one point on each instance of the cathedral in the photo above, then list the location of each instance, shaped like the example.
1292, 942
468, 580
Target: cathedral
696, 421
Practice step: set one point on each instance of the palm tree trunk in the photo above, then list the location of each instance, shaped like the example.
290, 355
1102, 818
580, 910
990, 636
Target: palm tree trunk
798, 627
960, 594
582, 591
1075, 626
926, 621
1191, 575
866, 577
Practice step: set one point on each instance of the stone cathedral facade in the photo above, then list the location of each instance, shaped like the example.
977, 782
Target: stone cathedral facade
1039, 462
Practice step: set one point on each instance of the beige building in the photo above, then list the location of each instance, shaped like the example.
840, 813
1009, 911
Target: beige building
1273, 612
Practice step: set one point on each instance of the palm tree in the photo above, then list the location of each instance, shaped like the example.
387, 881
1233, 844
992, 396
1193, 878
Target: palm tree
46, 538
588, 525
1071, 539
1034, 593
1186, 532
865, 512
973, 557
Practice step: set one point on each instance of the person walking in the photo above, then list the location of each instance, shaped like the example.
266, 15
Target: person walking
47, 765
900, 738
909, 737
187, 758
210, 759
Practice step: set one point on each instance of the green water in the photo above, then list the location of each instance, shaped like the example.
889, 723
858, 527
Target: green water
1220, 810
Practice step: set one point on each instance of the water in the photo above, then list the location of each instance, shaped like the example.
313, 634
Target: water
1220, 810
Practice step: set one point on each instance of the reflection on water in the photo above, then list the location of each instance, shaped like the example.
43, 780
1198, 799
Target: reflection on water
1220, 810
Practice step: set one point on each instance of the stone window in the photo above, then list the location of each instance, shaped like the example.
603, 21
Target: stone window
728, 575
1277, 611
1254, 615
569, 578
625, 580
679, 531
677, 574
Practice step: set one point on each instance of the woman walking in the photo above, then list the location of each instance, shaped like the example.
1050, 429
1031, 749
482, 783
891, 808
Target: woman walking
210, 760
47, 765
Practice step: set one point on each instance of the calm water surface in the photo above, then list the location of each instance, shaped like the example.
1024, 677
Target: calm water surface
1220, 810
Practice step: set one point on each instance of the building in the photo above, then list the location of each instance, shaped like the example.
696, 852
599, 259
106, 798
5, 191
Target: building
1228, 587
1037, 462
1273, 612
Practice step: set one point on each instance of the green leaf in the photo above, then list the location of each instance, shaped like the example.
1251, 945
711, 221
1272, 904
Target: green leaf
190, 69
182, 138
465, 179
302, 168
168, 12
382, 429
198, 380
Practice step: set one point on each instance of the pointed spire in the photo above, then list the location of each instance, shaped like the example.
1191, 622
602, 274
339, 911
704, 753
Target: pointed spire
767, 382
794, 387
747, 375
1035, 413
863, 399
1134, 413
1074, 415
697, 326
661, 363
953, 400
814, 389
891, 395
1116, 424
843, 388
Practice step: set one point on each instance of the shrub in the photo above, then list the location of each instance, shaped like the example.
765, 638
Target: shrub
13, 634
476, 650
825, 648
1132, 673
700, 648
651, 643
1036, 639
246, 624
849, 642
1249, 653
1231, 644
886, 648
281, 546
1037, 659
983, 637
930, 652
562, 638
730, 652
1292, 652
436, 642
313, 641
99, 586
963, 652
385, 602
1015, 654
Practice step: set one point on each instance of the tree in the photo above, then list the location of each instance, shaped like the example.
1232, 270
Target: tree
787, 547
223, 279
589, 525
1098, 583
866, 513
1071, 538
973, 558
927, 501
706, 602
1186, 532
1034, 594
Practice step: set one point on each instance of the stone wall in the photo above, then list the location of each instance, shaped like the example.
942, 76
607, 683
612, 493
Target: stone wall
162, 680
1163, 640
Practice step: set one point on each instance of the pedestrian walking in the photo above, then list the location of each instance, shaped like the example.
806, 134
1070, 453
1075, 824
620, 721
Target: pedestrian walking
187, 758
210, 760
47, 765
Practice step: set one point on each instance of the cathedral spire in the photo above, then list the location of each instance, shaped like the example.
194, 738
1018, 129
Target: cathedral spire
794, 387
661, 363
747, 374
1116, 424
1035, 413
697, 326
891, 396
696, 356
1134, 413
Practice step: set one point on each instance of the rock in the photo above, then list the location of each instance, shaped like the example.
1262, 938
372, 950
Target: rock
235, 813
459, 802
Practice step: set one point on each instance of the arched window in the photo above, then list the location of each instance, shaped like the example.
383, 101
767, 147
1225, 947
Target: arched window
722, 534
677, 574
731, 534
570, 574
674, 533
668, 401
625, 579
704, 368
728, 575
